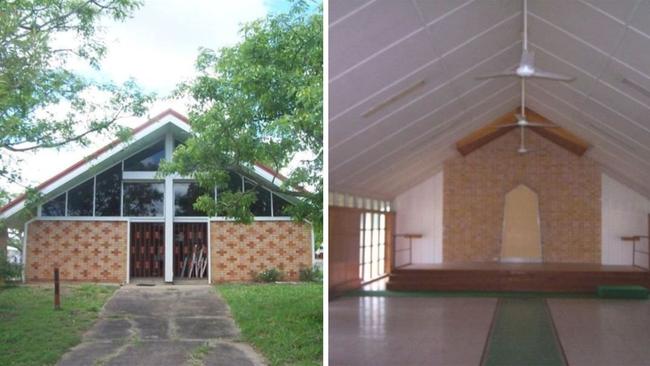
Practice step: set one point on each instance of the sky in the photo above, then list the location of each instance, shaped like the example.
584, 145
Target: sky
157, 47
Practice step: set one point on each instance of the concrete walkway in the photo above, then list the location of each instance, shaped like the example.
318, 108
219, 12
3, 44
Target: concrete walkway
163, 325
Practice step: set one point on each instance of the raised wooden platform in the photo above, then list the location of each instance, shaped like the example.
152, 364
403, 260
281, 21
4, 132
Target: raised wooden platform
545, 277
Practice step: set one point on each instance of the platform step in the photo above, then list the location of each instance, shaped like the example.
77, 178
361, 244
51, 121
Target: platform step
623, 292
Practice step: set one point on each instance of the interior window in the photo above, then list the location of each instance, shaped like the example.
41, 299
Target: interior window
262, 205
107, 192
144, 199
279, 205
55, 207
80, 199
146, 160
185, 194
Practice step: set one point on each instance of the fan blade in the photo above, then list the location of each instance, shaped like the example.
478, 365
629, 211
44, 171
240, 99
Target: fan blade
527, 59
542, 125
497, 75
551, 75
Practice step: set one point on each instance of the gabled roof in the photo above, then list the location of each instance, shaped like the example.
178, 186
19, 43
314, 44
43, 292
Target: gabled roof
402, 87
140, 133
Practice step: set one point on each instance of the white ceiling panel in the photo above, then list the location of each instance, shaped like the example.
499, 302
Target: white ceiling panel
566, 45
395, 64
634, 51
596, 28
640, 16
616, 8
341, 8
476, 18
369, 30
384, 140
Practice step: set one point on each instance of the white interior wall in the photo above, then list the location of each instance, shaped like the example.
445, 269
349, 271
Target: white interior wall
419, 211
624, 213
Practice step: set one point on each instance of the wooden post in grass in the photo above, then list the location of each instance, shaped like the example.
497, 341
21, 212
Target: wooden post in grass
57, 295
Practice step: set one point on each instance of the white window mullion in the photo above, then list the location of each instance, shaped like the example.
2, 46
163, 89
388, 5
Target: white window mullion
94, 193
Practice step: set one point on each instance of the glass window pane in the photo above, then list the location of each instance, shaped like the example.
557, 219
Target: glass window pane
185, 194
368, 221
55, 207
382, 267
144, 199
279, 205
382, 236
108, 190
262, 205
234, 184
382, 221
146, 160
80, 199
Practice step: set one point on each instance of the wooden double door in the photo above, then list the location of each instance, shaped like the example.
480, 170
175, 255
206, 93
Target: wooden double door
147, 255
190, 250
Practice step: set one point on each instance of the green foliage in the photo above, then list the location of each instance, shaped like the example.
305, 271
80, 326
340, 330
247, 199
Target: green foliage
311, 274
269, 275
259, 101
43, 103
283, 321
33, 333
9, 271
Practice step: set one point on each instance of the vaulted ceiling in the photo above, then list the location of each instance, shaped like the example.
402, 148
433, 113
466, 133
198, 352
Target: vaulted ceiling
402, 86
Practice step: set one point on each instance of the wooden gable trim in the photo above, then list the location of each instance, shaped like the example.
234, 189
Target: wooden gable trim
491, 132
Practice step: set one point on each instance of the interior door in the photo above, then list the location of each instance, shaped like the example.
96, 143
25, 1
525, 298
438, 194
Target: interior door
147, 256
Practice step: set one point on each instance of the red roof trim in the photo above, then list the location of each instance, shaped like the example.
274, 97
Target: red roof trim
271, 171
104, 149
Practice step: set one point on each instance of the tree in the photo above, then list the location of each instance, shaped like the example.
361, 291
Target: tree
259, 101
43, 102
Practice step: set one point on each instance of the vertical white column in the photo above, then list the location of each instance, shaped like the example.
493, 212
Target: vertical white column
169, 213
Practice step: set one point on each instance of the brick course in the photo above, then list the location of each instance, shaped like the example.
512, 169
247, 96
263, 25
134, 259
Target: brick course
239, 251
92, 251
569, 190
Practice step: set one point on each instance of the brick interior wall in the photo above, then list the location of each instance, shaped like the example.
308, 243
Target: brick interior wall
239, 251
568, 187
83, 250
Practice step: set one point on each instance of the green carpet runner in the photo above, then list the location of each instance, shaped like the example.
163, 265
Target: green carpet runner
623, 292
522, 334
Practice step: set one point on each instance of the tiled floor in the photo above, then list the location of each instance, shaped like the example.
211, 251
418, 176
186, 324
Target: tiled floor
603, 332
454, 331
408, 331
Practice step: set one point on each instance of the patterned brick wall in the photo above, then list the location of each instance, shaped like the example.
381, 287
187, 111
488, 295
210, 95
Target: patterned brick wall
239, 250
568, 187
83, 250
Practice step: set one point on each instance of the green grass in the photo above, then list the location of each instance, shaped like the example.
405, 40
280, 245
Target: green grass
283, 321
32, 333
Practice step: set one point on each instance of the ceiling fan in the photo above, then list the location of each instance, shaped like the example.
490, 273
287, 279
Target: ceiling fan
525, 70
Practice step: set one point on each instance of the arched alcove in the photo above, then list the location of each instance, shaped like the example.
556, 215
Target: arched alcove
521, 240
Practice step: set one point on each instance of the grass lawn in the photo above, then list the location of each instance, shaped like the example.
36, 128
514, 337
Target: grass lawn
32, 333
283, 321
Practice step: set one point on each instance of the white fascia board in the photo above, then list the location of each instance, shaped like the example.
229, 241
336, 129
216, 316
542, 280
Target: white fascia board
103, 157
268, 176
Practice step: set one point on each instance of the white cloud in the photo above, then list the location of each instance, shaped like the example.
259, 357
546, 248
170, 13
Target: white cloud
159, 45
